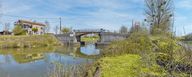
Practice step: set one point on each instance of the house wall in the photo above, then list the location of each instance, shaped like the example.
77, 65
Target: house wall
29, 28
40, 29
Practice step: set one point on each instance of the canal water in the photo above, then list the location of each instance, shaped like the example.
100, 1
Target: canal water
46, 62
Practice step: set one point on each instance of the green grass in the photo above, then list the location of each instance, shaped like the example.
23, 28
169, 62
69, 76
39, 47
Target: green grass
129, 65
90, 39
121, 66
25, 41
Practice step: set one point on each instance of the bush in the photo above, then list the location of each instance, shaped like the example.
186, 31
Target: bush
65, 30
18, 30
34, 30
165, 44
138, 42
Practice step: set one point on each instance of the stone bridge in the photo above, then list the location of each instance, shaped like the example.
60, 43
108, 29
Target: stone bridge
105, 37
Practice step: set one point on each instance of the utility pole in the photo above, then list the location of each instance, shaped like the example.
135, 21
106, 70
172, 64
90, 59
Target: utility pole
60, 25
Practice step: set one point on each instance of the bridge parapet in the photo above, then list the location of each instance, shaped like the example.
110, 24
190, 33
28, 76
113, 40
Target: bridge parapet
115, 34
89, 31
109, 37
66, 38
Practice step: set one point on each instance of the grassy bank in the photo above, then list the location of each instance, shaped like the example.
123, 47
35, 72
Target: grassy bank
129, 65
121, 66
25, 41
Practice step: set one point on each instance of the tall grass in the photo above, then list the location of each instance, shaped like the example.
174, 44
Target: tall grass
60, 70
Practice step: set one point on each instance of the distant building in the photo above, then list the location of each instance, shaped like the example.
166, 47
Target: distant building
29, 26
5, 33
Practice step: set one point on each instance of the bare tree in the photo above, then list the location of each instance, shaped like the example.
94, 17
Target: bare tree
159, 15
136, 27
123, 30
6, 28
47, 27
56, 29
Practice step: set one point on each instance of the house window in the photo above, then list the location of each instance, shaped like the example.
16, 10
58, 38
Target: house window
25, 26
30, 26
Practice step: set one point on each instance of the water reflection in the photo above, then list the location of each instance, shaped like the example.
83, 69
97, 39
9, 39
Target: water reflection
39, 61
87, 48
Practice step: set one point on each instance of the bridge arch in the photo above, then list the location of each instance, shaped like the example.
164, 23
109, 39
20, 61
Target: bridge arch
79, 36
80, 33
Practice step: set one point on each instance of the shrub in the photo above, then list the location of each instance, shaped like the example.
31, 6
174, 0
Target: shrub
138, 42
18, 30
65, 30
34, 30
165, 44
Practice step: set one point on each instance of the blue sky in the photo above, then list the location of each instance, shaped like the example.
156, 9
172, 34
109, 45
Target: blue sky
90, 14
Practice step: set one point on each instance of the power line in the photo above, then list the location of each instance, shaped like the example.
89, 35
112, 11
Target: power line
14, 20
14, 16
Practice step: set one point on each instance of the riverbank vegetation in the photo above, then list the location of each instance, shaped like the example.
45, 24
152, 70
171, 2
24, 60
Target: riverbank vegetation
151, 50
28, 41
60, 70
148, 52
156, 56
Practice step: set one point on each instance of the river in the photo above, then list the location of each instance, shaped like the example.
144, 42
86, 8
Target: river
46, 62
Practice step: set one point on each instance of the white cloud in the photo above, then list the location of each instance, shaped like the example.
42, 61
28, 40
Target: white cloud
183, 15
185, 4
